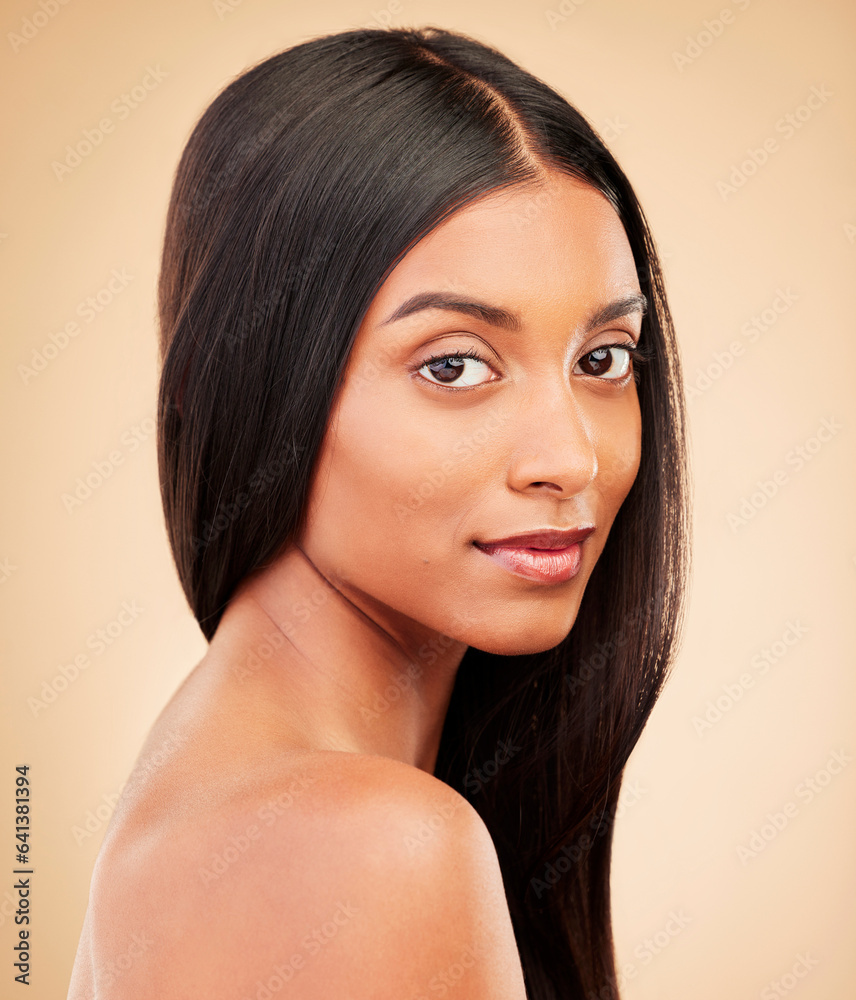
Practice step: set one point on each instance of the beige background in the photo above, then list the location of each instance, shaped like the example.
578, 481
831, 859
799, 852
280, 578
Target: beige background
696, 795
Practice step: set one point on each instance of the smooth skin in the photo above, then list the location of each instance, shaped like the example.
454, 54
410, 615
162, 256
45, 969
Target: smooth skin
283, 829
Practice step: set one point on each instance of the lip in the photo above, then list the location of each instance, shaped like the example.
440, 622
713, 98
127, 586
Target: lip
549, 555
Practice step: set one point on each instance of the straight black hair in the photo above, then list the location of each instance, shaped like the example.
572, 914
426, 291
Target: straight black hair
302, 185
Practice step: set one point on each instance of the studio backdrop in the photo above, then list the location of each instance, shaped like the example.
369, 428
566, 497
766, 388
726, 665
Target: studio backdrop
733, 870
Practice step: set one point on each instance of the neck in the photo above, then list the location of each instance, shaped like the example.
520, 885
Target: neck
342, 671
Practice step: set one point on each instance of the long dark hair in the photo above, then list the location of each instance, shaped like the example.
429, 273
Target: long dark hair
302, 185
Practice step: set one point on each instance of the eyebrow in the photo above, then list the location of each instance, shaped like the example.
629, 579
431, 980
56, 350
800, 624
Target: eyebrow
503, 318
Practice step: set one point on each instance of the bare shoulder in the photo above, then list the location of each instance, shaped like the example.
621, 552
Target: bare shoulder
338, 874
425, 872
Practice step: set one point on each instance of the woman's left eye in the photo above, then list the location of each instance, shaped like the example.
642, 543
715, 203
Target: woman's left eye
610, 362
460, 368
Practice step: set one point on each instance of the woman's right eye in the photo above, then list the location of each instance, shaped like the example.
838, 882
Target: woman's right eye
458, 368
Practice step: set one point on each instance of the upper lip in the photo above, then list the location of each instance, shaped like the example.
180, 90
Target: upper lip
545, 538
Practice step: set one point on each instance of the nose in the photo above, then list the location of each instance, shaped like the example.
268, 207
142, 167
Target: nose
554, 446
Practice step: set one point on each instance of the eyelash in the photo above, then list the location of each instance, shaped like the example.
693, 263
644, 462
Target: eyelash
639, 354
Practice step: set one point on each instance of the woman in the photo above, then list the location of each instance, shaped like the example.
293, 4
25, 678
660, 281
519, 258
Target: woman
428, 506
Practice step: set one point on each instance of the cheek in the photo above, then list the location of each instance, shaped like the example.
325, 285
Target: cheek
385, 487
619, 453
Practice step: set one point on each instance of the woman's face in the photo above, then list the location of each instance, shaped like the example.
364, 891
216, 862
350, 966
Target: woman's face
537, 428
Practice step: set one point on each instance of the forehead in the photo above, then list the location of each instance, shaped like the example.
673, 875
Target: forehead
538, 242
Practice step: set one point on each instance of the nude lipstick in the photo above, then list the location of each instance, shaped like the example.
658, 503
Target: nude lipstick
549, 555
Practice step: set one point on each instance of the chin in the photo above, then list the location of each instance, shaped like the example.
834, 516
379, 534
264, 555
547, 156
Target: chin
536, 637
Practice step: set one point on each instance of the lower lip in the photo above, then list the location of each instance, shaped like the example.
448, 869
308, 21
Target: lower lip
542, 565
